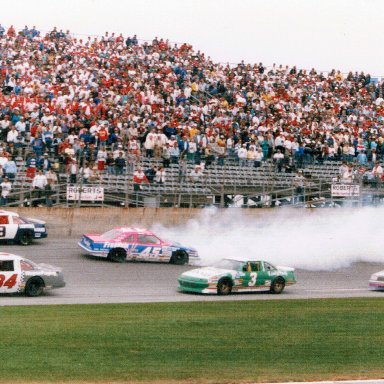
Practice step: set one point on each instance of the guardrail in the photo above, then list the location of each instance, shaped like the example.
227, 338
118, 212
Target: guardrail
314, 193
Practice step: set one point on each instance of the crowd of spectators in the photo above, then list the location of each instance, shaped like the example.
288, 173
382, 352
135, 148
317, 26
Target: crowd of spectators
98, 105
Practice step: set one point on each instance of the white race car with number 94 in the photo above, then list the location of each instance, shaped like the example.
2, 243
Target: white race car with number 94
20, 275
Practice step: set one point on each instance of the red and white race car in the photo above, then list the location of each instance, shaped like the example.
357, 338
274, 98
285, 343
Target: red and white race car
18, 274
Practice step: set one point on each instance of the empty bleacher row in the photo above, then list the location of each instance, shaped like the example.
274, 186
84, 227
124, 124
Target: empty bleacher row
227, 177
216, 178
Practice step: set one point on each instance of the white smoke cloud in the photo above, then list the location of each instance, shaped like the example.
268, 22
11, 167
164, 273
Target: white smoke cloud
313, 240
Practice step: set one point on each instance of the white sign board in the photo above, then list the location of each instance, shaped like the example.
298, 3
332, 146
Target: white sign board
345, 190
85, 193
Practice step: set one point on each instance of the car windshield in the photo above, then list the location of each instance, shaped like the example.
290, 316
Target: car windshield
229, 264
113, 233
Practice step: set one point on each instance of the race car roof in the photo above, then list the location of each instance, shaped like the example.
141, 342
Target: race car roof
2, 212
6, 254
243, 259
134, 229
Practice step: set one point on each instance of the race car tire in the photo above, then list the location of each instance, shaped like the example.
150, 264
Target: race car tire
34, 287
117, 255
179, 258
278, 285
25, 238
224, 287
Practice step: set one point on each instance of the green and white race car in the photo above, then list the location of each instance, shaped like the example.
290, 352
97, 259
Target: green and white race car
237, 275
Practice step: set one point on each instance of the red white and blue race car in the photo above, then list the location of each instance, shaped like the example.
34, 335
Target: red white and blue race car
136, 244
20, 229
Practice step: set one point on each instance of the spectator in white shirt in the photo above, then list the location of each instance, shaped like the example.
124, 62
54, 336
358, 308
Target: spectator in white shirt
12, 135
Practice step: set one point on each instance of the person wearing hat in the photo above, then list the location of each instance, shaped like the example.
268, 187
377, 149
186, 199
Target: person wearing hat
242, 155
44, 163
120, 163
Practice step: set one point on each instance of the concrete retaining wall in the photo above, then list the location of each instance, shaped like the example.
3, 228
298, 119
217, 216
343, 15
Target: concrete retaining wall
73, 222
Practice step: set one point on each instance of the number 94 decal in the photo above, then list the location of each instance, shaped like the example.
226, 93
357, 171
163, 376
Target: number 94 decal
10, 282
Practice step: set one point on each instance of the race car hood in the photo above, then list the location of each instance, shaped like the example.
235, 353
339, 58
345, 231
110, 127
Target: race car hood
207, 272
34, 221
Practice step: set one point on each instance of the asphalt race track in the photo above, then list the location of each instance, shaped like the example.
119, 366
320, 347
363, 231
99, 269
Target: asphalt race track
91, 280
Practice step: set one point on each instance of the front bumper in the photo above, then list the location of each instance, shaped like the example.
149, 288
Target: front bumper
40, 235
196, 286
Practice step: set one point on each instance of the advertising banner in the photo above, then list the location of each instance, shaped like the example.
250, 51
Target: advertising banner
85, 193
345, 190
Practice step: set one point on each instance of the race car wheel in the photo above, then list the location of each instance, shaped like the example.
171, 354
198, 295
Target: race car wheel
224, 287
25, 238
179, 258
278, 285
117, 255
34, 287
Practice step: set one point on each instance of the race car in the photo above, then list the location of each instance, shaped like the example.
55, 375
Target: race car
19, 229
237, 275
376, 281
18, 274
136, 244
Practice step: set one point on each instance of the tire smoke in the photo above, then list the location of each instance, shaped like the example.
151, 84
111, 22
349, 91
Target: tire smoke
323, 239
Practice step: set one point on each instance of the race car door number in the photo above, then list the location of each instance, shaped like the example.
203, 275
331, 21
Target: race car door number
10, 282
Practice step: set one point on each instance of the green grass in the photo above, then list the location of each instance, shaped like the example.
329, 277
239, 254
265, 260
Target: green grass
288, 340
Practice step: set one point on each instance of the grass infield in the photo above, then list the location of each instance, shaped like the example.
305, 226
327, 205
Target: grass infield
217, 342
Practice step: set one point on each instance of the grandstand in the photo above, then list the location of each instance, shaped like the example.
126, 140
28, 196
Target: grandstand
95, 110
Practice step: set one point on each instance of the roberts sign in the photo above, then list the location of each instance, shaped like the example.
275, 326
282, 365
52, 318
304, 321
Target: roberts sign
85, 193
345, 190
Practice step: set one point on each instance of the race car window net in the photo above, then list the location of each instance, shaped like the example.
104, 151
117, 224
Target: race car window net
6, 265
268, 267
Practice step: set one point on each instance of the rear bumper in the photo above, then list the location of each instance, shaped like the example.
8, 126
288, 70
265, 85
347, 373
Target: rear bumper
92, 252
374, 284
